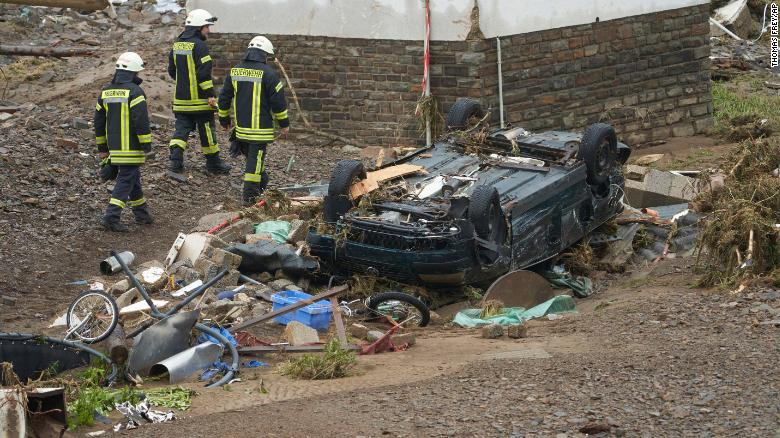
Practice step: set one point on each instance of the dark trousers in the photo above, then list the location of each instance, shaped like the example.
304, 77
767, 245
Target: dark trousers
255, 176
204, 123
127, 193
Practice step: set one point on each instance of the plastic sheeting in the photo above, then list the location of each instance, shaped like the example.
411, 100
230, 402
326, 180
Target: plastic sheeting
268, 256
516, 315
581, 286
278, 230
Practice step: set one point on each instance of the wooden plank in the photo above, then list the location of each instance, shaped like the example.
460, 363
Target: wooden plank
340, 332
290, 348
292, 307
373, 179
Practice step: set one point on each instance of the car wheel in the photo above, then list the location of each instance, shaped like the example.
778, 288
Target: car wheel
400, 307
338, 201
486, 216
460, 115
599, 150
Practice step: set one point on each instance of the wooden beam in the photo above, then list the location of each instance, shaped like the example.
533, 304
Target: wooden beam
292, 307
290, 348
81, 5
338, 321
56, 52
373, 179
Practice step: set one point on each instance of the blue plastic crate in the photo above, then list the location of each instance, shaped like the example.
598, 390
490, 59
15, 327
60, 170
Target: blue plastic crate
315, 315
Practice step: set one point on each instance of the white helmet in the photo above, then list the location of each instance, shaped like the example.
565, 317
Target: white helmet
200, 17
130, 61
262, 43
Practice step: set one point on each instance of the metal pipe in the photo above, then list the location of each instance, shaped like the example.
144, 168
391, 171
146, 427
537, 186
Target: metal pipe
724, 29
500, 84
111, 266
198, 292
233, 353
155, 312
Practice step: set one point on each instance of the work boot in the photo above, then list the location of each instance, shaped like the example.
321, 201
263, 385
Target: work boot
114, 225
251, 192
176, 164
142, 216
214, 164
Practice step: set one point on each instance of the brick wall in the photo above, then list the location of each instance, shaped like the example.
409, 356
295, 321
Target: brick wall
648, 75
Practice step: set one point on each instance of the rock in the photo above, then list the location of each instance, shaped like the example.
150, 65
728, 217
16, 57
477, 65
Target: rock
595, 427
180, 177
128, 298
373, 335
66, 143
152, 275
31, 201
166, 19
237, 231
492, 331
298, 230
517, 331
80, 123
161, 119
210, 221
119, 287
5, 116
249, 239
242, 298
262, 292
281, 284
288, 217
8, 300
297, 333
358, 331
349, 149
404, 338
770, 295
646, 160
229, 281
226, 259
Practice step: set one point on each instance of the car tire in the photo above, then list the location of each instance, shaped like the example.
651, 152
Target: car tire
425, 313
598, 149
338, 201
461, 112
486, 216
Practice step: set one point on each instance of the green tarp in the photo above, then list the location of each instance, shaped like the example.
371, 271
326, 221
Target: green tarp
581, 286
278, 230
516, 315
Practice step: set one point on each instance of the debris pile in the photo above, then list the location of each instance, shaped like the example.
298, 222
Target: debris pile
740, 235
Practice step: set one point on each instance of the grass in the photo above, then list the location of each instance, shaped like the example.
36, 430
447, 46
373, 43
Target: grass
491, 308
742, 100
334, 363
172, 398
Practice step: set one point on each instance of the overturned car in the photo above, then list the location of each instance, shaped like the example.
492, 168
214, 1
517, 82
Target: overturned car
457, 215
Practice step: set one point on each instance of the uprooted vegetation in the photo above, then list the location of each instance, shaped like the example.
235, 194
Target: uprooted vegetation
740, 236
334, 363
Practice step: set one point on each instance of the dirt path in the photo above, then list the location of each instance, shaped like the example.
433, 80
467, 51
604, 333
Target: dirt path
652, 359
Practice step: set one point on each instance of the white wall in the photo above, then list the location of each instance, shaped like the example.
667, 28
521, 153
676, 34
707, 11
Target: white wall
404, 19
509, 17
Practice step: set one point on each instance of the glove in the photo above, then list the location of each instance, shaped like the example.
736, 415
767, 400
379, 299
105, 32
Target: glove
108, 171
146, 147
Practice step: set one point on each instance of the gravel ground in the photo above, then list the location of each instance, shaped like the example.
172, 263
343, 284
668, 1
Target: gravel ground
656, 360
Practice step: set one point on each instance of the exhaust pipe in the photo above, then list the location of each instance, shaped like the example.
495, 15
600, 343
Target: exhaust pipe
111, 265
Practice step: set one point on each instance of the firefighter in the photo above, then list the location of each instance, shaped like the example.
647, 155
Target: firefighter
254, 93
123, 137
194, 101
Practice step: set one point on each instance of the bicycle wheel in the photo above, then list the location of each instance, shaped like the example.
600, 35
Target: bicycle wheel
92, 316
400, 307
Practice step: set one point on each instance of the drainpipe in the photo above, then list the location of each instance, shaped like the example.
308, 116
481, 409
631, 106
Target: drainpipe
500, 84
427, 71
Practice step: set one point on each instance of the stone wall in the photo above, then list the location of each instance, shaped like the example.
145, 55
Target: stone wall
646, 74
